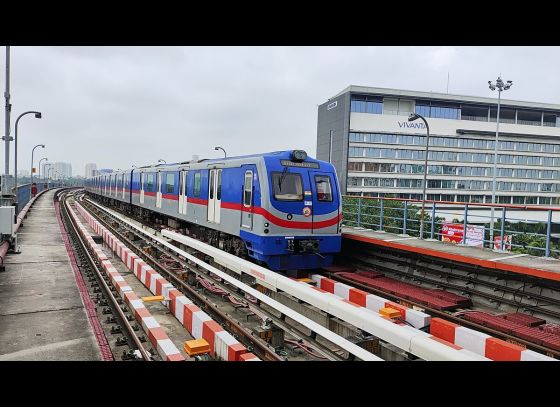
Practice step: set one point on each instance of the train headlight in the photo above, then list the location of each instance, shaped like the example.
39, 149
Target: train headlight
299, 155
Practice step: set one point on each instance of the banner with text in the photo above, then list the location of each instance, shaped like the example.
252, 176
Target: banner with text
454, 232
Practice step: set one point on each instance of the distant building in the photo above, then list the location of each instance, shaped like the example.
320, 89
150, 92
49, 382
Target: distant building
365, 133
63, 169
91, 170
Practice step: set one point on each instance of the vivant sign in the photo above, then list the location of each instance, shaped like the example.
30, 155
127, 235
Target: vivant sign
411, 125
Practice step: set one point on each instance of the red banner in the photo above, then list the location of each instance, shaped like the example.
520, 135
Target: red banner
454, 232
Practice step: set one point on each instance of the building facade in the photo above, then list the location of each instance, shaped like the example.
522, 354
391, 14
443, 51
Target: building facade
365, 133
91, 170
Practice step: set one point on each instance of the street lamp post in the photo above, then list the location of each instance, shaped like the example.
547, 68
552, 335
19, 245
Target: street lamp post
411, 118
33, 151
501, 86
44, 158
220, 148
37, 116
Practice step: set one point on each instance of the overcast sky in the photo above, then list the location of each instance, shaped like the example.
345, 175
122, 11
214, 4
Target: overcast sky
118, 106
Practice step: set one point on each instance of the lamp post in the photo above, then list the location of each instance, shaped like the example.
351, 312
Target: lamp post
411, 118
501, 86
44, 158
32, 151
220, 148
48, 174
37, 116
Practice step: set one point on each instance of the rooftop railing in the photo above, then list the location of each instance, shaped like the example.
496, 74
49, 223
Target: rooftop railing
517, 228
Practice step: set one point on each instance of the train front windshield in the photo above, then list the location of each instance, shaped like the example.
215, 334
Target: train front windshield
287, 186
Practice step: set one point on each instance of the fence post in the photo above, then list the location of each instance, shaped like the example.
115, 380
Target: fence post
433, 220
405, 215
548, 225
465, 224
502, 230
359, 211
381, 214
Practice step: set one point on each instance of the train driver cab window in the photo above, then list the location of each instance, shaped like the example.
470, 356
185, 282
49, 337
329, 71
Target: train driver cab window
323, 186
150, 182
169, 183
287, 186
196, 187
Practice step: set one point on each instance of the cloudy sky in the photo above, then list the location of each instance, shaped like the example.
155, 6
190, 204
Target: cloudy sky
118, 106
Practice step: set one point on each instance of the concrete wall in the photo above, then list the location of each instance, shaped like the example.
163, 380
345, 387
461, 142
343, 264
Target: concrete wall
334, 116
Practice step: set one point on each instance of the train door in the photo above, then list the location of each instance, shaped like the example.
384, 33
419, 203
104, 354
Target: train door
183, 192
324, 202
158, 190
247, 208
142, 181
214, 195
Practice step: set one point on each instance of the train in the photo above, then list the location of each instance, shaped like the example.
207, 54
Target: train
282, 210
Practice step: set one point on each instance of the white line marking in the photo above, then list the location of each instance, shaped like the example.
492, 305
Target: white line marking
509, 257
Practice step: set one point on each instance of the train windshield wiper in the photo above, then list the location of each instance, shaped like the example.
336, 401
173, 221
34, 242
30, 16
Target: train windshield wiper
284, 172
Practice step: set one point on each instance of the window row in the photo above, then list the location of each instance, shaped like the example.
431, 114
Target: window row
438, 112
360, 106
516, 200
372, 152
385, 138
452, 170
452, 184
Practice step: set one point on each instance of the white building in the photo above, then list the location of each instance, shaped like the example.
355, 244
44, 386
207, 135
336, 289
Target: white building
91, 170
376, 151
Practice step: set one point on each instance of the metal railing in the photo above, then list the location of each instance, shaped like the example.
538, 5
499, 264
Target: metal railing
517, 228
24, 192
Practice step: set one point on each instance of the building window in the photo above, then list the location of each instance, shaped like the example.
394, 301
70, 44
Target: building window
353, 166
366, 106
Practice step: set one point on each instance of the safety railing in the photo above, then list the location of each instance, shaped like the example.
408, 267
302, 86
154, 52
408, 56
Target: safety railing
516, 228
24, 193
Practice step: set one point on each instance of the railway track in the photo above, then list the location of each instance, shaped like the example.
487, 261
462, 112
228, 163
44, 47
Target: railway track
194, 281
117, 314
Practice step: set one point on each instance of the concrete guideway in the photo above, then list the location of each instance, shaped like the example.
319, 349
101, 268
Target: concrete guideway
42, 316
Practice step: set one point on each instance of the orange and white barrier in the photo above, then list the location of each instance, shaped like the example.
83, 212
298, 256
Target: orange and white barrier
157, 336
372, 302
199, 324
483, 344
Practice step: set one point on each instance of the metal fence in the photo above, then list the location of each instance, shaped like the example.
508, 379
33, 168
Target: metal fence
519, 228
24, 193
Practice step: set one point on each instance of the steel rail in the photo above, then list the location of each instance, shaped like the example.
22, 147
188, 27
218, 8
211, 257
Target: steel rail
93, 265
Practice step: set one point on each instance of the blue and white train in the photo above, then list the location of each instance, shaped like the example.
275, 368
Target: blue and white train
282, 209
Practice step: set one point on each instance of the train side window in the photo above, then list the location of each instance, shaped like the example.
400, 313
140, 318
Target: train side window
323, 186
169, 183
150, 182
248, 189
219, 188
211, 185
196, 189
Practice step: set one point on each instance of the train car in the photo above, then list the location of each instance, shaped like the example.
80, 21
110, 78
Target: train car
283, 209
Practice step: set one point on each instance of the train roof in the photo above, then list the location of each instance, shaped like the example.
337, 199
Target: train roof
285, 154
